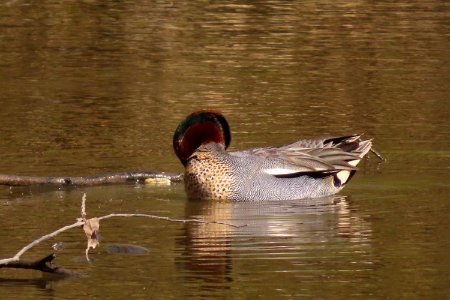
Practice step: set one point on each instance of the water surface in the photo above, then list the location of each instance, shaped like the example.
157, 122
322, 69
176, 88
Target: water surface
94, 87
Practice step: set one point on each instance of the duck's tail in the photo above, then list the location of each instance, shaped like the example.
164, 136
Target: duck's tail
352, 144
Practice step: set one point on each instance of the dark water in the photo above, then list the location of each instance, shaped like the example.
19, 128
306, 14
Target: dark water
89, 87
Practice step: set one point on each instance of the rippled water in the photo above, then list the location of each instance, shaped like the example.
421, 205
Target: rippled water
91, 87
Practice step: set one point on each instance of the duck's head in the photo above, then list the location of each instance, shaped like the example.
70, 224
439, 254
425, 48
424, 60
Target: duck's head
200, 128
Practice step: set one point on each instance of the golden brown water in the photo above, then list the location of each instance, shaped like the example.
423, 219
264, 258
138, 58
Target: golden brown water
90, 87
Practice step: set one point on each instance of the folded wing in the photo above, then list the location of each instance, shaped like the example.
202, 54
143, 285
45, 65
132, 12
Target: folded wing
316, 158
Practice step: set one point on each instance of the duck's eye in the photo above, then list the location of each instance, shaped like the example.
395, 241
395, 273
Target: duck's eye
192, 157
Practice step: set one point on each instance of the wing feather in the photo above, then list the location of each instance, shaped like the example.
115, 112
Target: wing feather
325, 156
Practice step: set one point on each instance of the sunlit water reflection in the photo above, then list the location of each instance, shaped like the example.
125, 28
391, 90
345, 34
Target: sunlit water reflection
306, 239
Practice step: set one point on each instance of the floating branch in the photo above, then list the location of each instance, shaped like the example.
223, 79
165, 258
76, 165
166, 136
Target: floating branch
113, 178
91, 228
43, 265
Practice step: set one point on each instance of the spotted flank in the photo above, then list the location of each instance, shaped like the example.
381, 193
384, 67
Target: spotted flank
305, 169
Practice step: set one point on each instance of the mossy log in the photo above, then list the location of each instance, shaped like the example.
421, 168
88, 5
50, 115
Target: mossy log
112, 178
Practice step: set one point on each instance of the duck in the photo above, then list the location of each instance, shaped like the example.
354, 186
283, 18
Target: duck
307, 168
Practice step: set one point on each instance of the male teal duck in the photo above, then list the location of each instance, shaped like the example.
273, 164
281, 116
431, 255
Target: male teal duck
305, 169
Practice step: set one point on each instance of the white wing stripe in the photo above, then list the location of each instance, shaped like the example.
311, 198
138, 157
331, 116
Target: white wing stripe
279, 171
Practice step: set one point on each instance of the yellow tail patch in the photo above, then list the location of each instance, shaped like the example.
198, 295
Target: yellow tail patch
343, 176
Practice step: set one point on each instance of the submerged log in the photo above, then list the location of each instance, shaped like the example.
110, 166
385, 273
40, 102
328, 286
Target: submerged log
113, 178
42, 264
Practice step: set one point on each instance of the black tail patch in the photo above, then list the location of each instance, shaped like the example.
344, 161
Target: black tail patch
343, 143
320, 175
312, 174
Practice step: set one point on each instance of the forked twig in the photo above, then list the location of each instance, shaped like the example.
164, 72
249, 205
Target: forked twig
39, 240
90, 227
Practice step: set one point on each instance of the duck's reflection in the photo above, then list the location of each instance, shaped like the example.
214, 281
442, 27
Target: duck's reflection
206, 247
271, 229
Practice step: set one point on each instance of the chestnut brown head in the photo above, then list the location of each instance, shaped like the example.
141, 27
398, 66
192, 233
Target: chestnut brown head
200, 128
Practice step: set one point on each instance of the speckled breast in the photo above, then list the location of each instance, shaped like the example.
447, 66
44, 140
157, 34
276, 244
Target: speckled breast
207, 178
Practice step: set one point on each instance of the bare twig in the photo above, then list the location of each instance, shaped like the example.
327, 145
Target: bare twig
170, 219
90, 226
39, 240
83, 207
